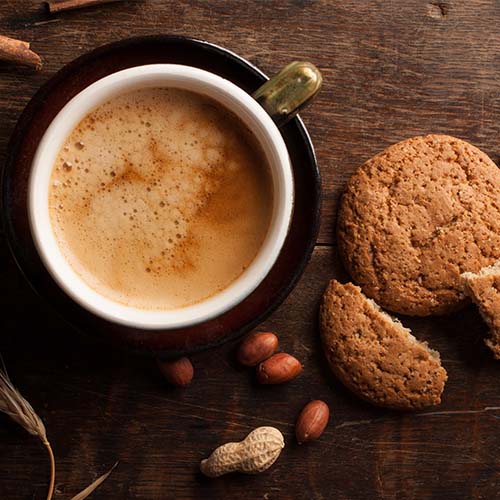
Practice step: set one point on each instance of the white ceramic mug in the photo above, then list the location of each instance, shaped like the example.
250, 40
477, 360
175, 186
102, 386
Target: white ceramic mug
196, 80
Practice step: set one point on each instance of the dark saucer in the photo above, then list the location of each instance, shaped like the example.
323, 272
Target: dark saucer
73, 78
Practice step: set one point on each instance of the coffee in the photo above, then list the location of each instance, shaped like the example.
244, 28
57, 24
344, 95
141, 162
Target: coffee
160, 198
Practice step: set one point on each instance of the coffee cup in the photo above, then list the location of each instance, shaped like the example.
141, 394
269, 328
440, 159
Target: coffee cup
270, 106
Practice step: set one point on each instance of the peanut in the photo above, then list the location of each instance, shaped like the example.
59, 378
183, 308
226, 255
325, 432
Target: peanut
179, 372
256, 348
256, 453
312, 421
279, 368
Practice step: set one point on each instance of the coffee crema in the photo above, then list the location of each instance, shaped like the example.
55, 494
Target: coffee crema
160, 198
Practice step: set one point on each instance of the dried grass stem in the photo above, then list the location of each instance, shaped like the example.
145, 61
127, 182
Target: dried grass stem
52, 470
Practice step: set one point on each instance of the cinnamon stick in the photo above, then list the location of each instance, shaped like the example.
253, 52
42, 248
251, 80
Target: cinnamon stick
18, 51
62, 5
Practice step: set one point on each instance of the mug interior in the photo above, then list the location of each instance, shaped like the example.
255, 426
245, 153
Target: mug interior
160, 75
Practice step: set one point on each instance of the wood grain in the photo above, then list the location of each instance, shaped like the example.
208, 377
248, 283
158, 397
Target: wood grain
392, 70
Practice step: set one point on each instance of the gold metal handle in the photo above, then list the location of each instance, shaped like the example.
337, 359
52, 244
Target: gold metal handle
288, 91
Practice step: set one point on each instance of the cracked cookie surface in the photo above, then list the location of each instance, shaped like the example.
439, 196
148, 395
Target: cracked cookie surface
416, 216
374, 355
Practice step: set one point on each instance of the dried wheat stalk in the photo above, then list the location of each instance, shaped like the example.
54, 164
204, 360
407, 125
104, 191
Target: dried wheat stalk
13, 404
18, 409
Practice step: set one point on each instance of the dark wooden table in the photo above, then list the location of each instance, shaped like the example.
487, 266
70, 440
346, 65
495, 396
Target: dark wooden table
392, 69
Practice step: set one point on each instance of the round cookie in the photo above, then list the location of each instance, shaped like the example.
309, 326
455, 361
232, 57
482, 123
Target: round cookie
374, 355
416, 216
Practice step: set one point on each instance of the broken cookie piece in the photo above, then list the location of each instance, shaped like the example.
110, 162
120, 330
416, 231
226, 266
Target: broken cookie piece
374, 355
484, 290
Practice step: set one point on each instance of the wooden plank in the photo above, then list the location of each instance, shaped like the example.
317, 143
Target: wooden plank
392, 69
101, 405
